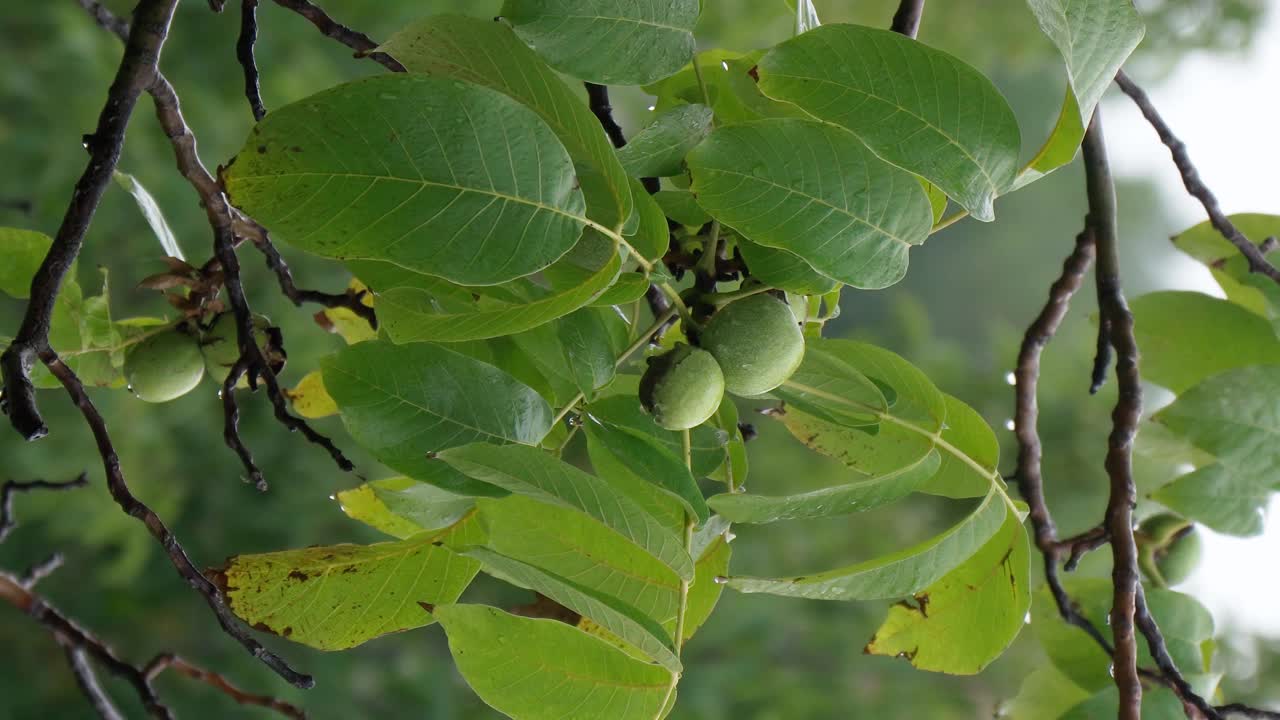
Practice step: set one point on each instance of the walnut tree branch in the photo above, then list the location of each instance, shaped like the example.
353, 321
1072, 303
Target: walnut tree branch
244, 53
907, 19
1128, 411
358, 41
8, 521
1258, 262
136, 72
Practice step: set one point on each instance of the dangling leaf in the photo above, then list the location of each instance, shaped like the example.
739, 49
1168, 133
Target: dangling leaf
151, 212
962, 622
437, 175
309, 398
658, 150
605, 41
814, 190
511, 661
919, 108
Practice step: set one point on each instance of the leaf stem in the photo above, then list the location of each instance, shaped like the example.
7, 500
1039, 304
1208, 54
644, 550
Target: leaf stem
949, 220
725, 298
617, 238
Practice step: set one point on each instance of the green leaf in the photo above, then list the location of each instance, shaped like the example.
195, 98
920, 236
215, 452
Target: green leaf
645, 456
1045, 695
151, 211
534, 473
401, 402
511, 662
962, 622
733, 472
436, 175
831, 385
784, 270
613, 615
681, 206
814, 190
658, 150
1233, 415
652, 236
340, 596
630, 287
895, 575
411, 314
1217, 495
711, 548
1095, 37
489, 54
919, 108
1224, 335
835, 500
968, 470
1247, 289
402, 507
570, 544
608, 42
662, 505
621, 409
23, 251
1157, 704
730, 84
589, 354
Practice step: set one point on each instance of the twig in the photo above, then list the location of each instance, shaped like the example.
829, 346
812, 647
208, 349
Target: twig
120, 492
81, 646
136, 72
358, 41
1125, 417
598, 101
907, 19
1258, 262
224, 220
41, 570
1101, 357
1164, 661
231, 425
8, 521
244, 53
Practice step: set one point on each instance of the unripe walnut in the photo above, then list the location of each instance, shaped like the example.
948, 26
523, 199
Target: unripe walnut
164, 367
1168, 549
757, 342
221, 347
682, 387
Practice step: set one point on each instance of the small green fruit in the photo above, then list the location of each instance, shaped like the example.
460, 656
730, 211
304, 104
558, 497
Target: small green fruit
682, 387
757, 342
1168, 549
221, 349
164, 367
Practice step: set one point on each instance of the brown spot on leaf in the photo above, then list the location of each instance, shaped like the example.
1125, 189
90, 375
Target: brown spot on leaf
545, 607
262, 149
298, 575
754, 72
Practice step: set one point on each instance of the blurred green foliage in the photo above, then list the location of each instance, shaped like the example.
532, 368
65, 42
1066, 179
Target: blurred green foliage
958, 315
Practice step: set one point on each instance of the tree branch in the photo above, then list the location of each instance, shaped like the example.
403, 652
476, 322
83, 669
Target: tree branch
1258, 262
358, 41
120, 492
244, 53
136, 72
1125, 417
8, 521
907, 19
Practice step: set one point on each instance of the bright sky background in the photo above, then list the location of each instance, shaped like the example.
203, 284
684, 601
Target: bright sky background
1226, 110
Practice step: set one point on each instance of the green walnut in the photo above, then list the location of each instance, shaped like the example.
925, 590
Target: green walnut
164, 367
682, 387
221, 349
1168, 549
757, 342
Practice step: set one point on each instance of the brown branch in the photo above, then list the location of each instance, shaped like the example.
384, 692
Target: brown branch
1125, 417
81, 646
224, 220
358, 41
231, 425
120, 492
8, 521
244, 53
136, 72
907, 19
1164, 661
1258, 262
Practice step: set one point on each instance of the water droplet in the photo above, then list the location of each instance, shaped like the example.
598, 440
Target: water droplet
1010, 424
724, 65
1027, 620
730, 536
722, 580
1010, 378
651, 108
759, 171
333, 497
1111, 669
722, 437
